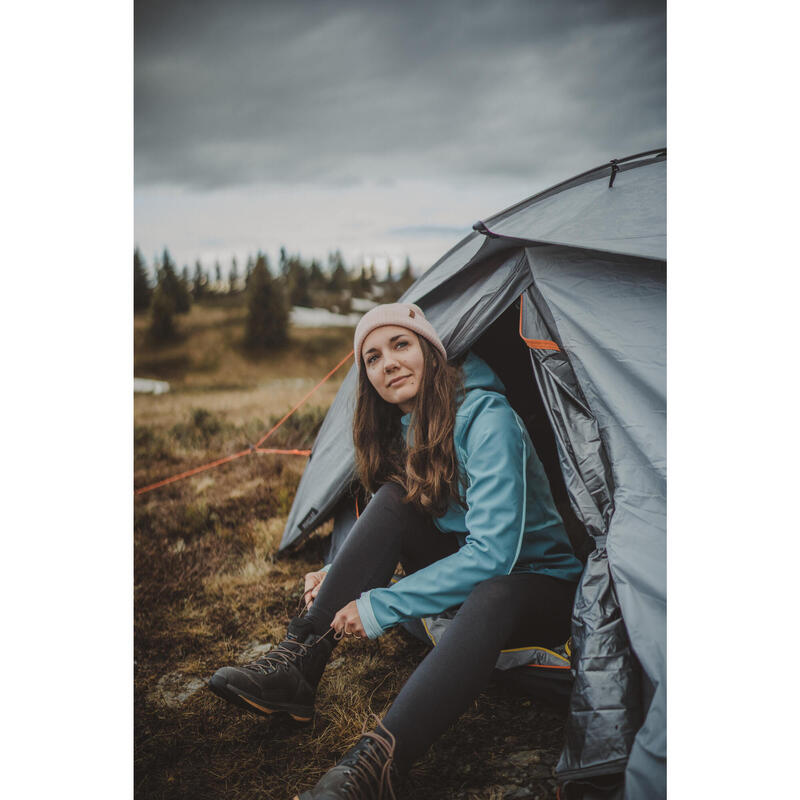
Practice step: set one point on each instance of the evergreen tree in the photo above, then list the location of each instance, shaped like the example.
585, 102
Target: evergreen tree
338, 280
199, 282
175, 288
248, 272
364, 283
316, 277
162, 320
267, 310
283, 262
406, 276
142, 291
233, 277
217, 274
389, 275
186, 285
299, 283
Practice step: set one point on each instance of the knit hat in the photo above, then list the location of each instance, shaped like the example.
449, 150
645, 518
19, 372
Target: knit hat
406, 315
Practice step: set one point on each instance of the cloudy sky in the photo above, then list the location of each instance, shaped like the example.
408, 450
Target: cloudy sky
384, 129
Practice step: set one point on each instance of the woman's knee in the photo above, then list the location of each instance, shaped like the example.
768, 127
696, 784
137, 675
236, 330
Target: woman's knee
491, 594
390, 493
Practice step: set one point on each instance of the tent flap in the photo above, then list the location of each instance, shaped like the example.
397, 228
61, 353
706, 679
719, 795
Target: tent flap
605, 707
584, 463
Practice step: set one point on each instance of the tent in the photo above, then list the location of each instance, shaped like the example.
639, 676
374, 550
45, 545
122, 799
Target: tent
564, 295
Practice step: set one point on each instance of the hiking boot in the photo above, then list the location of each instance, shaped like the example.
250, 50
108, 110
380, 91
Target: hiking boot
365, 772
285, 679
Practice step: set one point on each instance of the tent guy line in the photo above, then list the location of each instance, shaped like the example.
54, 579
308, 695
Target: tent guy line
253, 448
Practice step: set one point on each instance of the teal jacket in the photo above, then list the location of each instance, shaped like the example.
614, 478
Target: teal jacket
510, 523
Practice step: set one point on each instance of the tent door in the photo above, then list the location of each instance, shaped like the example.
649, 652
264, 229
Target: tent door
504, 350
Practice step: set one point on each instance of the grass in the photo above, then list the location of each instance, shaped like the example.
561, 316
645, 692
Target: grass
210, 586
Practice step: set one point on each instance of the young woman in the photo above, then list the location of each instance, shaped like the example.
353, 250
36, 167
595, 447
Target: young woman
461, 499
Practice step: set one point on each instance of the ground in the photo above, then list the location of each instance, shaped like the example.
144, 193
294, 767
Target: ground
211, 589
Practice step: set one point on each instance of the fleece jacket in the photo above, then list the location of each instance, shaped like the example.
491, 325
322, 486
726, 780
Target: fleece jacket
510, 523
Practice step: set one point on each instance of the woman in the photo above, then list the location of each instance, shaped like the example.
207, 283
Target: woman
461, 499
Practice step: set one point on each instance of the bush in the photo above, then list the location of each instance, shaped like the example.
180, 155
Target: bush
202, 427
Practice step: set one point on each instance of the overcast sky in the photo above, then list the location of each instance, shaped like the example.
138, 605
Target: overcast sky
384, 129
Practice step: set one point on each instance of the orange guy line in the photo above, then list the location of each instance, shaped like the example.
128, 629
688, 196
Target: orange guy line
256, 448
192, 471
278, 424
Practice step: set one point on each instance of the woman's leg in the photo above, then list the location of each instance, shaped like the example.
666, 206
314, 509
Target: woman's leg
507, 611
388, 531
286, 678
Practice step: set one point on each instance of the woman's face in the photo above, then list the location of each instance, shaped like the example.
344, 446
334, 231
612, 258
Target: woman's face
394, 364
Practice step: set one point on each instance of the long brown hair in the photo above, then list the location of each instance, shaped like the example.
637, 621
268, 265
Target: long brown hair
428, 469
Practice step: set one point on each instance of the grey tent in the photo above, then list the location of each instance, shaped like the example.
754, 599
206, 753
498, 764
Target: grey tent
564, 295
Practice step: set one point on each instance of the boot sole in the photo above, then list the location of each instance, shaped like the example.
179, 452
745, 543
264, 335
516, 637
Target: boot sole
257, 705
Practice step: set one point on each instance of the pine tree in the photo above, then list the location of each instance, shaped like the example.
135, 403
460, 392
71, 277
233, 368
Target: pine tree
364, 283
299, 283
142, 291
316, 277
186, 286
267, 310
233, 277
406, 276
174, 287
338, 280
199, 282
248, 272
217, 274
162, 321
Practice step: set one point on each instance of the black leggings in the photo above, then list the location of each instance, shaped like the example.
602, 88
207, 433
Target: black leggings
502, 612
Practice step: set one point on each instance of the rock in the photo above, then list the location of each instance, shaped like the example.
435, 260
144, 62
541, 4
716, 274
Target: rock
174, 689
254, 650
514, 792
525, 758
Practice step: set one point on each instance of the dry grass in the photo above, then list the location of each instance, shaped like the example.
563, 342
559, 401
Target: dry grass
209, 586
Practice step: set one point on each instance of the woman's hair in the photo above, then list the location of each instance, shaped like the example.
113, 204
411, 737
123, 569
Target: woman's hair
428, 469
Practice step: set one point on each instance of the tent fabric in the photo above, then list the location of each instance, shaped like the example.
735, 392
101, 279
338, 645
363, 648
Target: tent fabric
585, 262
610, 313
631, 220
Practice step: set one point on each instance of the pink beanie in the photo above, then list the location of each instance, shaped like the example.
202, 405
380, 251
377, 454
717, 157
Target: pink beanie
406, 315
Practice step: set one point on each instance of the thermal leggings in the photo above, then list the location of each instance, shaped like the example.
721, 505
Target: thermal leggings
502, 612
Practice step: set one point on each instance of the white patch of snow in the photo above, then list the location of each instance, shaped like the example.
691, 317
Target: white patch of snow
362, 304
321, 318
149, 386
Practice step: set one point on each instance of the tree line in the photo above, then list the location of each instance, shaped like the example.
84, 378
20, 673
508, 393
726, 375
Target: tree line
268, 296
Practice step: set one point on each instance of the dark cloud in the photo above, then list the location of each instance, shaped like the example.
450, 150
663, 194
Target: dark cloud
347, 92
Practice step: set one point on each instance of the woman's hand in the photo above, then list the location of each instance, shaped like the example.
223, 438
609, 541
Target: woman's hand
348, 621
312, 584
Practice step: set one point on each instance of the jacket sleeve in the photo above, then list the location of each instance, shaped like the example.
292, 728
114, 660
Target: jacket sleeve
495, 456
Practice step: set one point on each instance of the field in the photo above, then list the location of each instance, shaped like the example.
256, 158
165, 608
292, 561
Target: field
210, 589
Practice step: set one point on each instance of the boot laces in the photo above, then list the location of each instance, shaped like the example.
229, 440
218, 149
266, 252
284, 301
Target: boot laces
283, 655
372, 766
